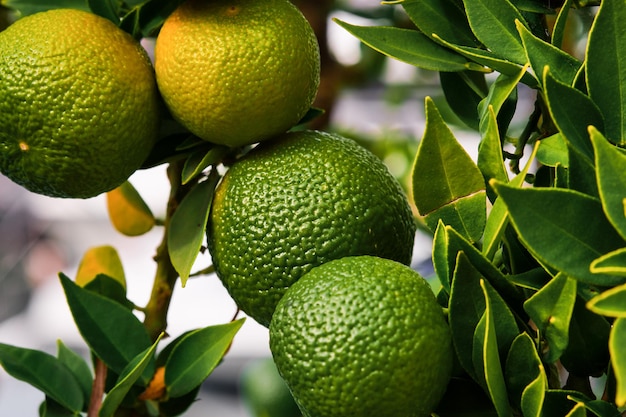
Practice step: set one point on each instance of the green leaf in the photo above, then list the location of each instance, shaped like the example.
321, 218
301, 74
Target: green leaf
579, 410
200, 160
100, 260
572, 112
79, 368
464, 398
153, 13
551, 310
447, 185
486, 358
464, 90
493, 23
613, 263
540, 54
617, 341
553, 151
490, 157
611, 165
128, 212
502, 93
524, 374
606, 68
131, 374
611, 302
446, 18
110, 288
196, 355
44, 372
109, 9
440, 253
581, 172
188, 224
553, 225
558, 31
51, 408
409, 46
28, 7
112, 332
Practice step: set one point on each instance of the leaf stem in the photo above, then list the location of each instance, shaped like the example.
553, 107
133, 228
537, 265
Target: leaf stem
155, 320
97, 389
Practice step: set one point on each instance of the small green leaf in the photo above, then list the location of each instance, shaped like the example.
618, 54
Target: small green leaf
524, 369
572, 112
540, 54
129, 375
446, 18
501, 92
490, 157
553, 151
100, 260
153, 13
409, 46
188, 224
551, 310
606, 68
112, 332
617, 341
200, 160
440, 253
561, 238
447, 185
198, 353
44, 372
613, 263
128, 212
78, 366
611, 302
28, 7
610, 167
493, 23
109, 288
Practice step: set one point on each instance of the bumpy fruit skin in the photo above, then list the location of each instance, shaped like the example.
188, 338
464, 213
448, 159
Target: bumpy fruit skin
298, 201
360, 337
235, 72
79, 105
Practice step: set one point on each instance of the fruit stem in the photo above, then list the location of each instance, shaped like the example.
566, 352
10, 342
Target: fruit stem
155, 320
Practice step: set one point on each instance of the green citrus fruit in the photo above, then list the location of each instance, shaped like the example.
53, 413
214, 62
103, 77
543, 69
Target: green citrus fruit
265, 393
78, 104
298, 201
360, 337
235, 72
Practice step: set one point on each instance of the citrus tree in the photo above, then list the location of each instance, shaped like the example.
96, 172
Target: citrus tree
528, 238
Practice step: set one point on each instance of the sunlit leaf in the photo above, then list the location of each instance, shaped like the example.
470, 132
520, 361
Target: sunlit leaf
100, 260
446, 18
551, 310
617, 341
611, 302
554, 224
44, 372
524, 373
409, 46
553, 151
128, 212
493, 23
188, 224
113, 332
606, 68
490, 157
502, 91
447, 185
613, 263
200, 160
196, 355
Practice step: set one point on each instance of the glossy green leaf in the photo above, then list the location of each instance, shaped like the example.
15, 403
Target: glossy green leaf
51, 408
554, 226
551, 310
112, 332
558, 30
79, 368
598, 408
553, 151
572, 112
100, 260
409, 46
446, 18
195, 357
611, 165
44, 372
440, 253
152, 14
490, 157
188, 224
200, 160
28, 7
611, 302
563, 66
128, 377
606, 68
447, 185
579, 410
110, 288
613, 263
524, 373
464, 90
617, 341
493, 23
501, 91
128, 212
486, 357
581, 172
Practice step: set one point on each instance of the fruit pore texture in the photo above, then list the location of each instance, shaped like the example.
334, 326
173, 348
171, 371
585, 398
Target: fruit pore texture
298, 201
